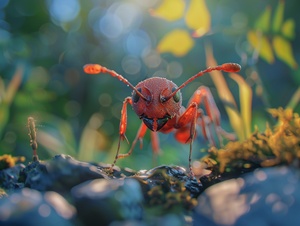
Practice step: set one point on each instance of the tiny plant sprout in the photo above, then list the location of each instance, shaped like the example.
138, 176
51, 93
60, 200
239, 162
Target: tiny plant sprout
32, 137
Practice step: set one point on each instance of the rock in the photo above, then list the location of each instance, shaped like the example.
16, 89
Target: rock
170, 178
59, 174
101, 202
29, 207
268, 196
9, 177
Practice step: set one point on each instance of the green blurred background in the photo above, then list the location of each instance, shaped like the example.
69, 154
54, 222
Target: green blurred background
44, 45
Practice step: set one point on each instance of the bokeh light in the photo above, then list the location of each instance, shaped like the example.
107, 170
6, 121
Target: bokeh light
64, 11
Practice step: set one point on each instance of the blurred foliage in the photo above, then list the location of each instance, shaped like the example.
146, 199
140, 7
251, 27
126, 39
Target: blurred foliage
280, 32
240, 120
197, 18
44, 44
7, 95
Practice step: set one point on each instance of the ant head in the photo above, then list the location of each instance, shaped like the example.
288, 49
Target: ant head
155, 110
148, 97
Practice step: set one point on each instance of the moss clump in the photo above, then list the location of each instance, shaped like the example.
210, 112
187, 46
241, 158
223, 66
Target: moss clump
7, 161
169, 199
273, 147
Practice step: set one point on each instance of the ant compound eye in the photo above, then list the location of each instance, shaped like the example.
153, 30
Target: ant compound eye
176, 97
135, 96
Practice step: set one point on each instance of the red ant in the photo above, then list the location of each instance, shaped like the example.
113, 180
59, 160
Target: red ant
157, 101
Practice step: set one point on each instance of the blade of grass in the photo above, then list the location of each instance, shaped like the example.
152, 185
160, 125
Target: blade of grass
7, 97
294, 100
92, 140
225, 95
245, 102
63, 134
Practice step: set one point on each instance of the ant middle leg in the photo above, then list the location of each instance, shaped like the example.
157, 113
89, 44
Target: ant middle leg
212, 118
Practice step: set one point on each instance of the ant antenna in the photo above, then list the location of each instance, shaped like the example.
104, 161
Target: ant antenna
97, 68
227, 67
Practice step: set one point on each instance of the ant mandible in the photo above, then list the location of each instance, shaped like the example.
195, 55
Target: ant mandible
157, 101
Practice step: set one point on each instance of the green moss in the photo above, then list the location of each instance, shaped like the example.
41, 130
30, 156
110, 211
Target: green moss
273, 147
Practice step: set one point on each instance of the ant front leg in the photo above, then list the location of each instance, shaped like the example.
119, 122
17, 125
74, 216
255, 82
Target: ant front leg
122, 130
123, 124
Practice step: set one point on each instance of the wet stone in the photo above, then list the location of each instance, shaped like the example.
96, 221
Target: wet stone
108, 200
29, 207
59, 174
267, 196
170, 178
9, 177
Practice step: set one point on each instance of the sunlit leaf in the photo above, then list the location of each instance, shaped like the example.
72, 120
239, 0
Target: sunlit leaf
288, 29
261, 44
50, 142
63, 138
2, 89
225, 94
278, 17
177, 42
245, 102
91, 141
198, 17
263, 22
7, 96
169, 10
294, 100
283, 51
4, 116
14, 84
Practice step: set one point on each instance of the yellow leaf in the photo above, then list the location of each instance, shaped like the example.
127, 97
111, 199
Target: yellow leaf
263, 22
169, 10
278, 17
245, 102
283, 51
262, 45
225, 94
288, 29
198, 17
177, 42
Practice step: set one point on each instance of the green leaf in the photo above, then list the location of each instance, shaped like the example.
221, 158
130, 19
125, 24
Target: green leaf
225, 94
294, 100
278, 17
13, 86
263, 22
91, 142
4, 116
245, 102
284, 51
288, 29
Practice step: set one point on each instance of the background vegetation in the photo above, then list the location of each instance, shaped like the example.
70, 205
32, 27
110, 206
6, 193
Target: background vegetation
44, 45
